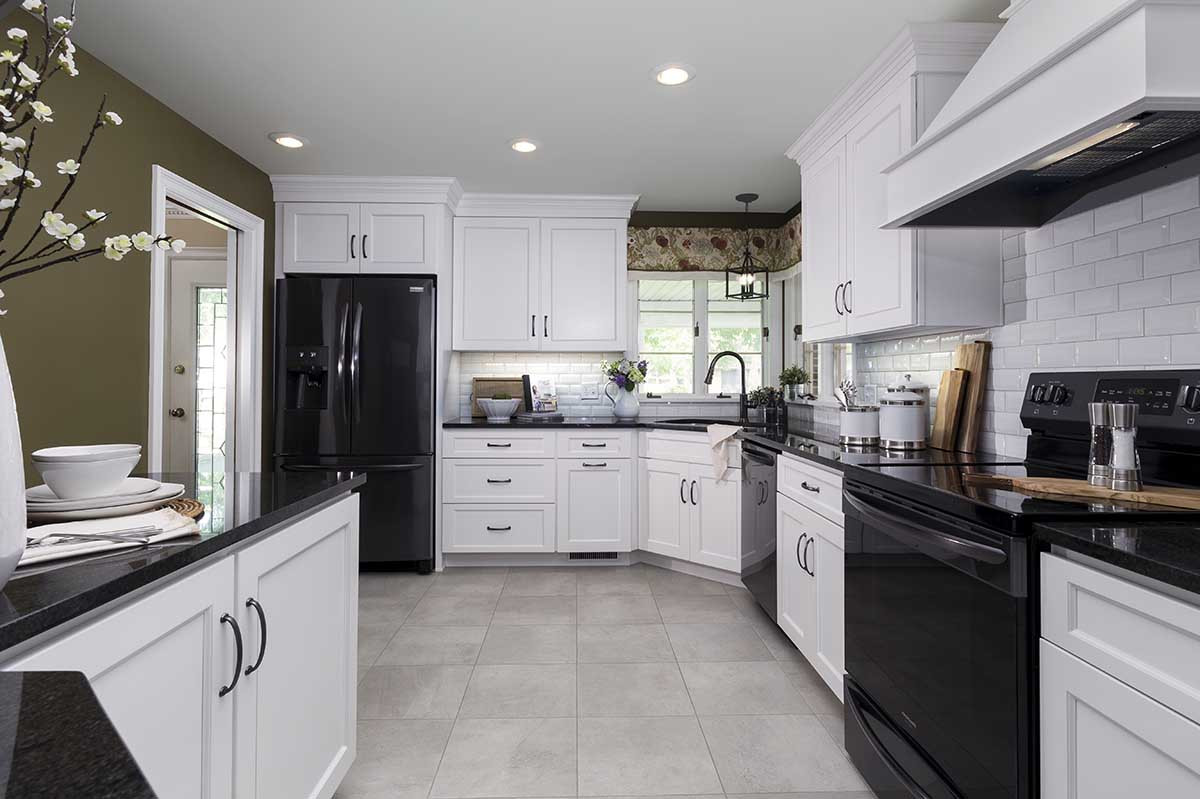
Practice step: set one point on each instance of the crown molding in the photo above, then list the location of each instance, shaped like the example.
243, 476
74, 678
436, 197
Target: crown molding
947, 47
363, 189
598, 206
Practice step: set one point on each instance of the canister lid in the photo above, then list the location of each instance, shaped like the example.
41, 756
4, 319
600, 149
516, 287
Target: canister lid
1124, 414
1100, 413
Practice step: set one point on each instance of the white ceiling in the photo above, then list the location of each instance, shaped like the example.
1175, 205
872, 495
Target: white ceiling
440, 87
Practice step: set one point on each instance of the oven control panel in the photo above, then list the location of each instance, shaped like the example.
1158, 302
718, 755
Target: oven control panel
1168, 401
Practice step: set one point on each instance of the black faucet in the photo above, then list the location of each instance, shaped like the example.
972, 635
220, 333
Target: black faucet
743, 417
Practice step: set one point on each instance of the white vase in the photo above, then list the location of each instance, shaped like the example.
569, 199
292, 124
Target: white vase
12, 478
625, 404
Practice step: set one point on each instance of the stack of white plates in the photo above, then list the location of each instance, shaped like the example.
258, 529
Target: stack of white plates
88, 471
134, 495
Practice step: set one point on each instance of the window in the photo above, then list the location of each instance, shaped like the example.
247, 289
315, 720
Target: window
681, 324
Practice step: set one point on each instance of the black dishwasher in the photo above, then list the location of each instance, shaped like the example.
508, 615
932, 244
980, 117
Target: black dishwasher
758, 523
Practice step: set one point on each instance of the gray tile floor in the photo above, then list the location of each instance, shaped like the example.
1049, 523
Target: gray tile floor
588, 682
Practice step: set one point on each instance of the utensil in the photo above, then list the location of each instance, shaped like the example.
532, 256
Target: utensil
850, 392
84, 454
840, 396
133, 534
86, 479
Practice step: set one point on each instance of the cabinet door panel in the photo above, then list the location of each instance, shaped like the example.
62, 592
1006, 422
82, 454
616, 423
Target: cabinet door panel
1100, 738
665, 524
595, 505
717, 518
796, 600
824, 234
496, 283
316, 238
157, 665
296, 714
583, 284
828, 563
397, 238
879, 263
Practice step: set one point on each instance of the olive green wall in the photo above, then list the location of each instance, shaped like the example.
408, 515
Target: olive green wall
77, 335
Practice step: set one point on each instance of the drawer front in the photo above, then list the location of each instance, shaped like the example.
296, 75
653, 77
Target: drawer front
499, 444
498, 480
815, 488
685, 448
591, 443
498, 528
1140, 636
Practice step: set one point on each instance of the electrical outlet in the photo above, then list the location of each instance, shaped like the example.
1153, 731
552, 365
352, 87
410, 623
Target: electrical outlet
589, 390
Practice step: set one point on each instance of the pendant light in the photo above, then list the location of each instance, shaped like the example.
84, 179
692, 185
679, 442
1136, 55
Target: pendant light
742, 277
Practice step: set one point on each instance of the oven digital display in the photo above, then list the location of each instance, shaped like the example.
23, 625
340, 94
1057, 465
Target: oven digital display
1154, 397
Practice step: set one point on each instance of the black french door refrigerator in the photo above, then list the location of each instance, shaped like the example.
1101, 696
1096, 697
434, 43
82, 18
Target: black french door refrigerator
354, 392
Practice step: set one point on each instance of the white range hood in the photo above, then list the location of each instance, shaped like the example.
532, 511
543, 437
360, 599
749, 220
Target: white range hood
1075, 103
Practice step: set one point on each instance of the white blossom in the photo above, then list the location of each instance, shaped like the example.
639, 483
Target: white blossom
58, 227
95, 215
13, 143
115, 247
163, 244
8, 171
112, 253
6, 203
34, 6
143, 241
2, 311
17, 34
62, 23
68, 167
76, 241
68, 45
4, 112
68, 63
178, 244
112, 118
41, 111
8, 57
29, 73
30, 180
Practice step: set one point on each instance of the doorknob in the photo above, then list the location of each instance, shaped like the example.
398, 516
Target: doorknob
179, 369
176, 412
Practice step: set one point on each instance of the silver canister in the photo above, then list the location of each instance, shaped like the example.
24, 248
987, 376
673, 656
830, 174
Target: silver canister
1100, 450
1125, 462
859, 426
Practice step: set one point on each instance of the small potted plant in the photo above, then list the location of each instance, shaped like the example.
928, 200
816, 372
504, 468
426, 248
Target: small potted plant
765, 402
625, 376
795, 379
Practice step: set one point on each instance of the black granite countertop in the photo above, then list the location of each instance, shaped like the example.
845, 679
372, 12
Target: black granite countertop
42, 596
59, 743
1166, 551
606, 422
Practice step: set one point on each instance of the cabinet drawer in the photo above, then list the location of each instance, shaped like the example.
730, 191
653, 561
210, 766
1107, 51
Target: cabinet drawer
813, 487
591, 443
1138, 635
669, 445
498, 528
499, 444
498, 480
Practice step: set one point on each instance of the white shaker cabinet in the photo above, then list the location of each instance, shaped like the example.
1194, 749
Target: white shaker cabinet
583, 284
824, 237
354, 238
595, 505
158, 666
497, 284
716, 519
397, 238
796, 598
296, 711
665, 523
317, 237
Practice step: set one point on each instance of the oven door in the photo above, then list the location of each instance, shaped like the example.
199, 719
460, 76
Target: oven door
937, 654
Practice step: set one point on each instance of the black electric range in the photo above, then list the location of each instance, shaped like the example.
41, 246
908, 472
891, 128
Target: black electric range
941, 587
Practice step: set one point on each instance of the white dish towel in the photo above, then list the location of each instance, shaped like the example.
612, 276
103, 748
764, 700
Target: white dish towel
720, 438
167, 525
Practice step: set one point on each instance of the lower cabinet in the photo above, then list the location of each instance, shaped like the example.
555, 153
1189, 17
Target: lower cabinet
281, 717
595, 505
796, 600
688, 514
665, 520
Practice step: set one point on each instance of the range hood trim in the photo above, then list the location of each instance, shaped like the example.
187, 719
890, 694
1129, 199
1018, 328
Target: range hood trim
1125, 44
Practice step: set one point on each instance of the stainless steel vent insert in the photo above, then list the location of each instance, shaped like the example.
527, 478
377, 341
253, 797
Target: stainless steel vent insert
1154, 129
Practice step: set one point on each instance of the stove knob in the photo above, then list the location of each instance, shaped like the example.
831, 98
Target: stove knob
1191, 399
1058, 395
1037, 394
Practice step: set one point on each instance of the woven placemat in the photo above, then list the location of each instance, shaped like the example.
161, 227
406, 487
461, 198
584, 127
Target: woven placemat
188, 507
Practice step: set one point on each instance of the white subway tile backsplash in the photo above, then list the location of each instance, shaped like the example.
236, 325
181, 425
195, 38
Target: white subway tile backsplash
1144, 351
1018, 267
1185, 226
1125, 213
1039, 239
1146, 293
1056, 307
1056, 258
1074, 279
1020, 357
1037, 333
1171, 260
1145, 236
1018, 312
1186, 287
1096, 353
1171, 199
1119, 270
1039, 286
1173, 319
1054, 356
1014, 290
1095, 301
1186, 349
1096, 248
1121, 324
1072, 228
1011, 247
1079, 328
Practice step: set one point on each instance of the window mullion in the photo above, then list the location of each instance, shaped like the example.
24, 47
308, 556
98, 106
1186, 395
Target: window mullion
700, 316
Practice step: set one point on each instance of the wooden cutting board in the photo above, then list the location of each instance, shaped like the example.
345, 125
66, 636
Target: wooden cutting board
1154, 495
973, 358
489, 387
951, 391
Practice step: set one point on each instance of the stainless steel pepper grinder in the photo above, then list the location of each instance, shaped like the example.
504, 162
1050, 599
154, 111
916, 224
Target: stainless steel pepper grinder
1126, 465
1100, 451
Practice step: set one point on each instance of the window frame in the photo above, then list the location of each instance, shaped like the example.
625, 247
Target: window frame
771, 316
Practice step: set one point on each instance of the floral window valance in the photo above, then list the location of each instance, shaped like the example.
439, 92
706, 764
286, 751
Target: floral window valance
711, 249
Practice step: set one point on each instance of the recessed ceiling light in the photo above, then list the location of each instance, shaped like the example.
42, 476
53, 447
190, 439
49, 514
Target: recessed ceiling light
524, 145
289, 140
673, 74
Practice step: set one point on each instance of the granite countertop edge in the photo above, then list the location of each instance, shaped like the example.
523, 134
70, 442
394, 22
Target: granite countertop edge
1082, 538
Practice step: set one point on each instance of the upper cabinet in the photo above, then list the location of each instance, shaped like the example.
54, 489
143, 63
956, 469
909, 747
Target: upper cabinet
859, 280
540, 283
353, 238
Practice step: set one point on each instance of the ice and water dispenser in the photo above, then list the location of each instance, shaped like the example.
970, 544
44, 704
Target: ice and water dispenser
307, 378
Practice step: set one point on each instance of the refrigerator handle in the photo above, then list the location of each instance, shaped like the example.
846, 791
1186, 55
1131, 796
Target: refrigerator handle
355, 389
341, 363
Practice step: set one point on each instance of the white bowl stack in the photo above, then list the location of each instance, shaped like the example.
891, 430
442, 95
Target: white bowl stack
92, 482
498, 410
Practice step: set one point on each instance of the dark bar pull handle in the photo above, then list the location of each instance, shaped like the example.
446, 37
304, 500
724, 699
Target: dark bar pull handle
692, 493
805, 565
352, 238
922, 538
545, 326
496, 481
682, 484
836, 306
807, 487
499, 529
845, 296
499, 446
592, 446
237, 639
533, 325
600, 465
262, 642
364, 248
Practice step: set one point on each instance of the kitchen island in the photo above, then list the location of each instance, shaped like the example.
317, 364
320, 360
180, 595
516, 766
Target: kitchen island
227, 656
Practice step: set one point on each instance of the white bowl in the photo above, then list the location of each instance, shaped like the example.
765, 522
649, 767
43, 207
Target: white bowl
85, 454
89, 479
499, 410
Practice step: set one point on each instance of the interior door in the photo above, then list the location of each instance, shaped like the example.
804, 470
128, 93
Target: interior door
297, 599
496, 285
396, 238
666, 513
321, 237
880, 288
158, 666
583, 284
824, 237
797, 599
716, 529
392, 366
